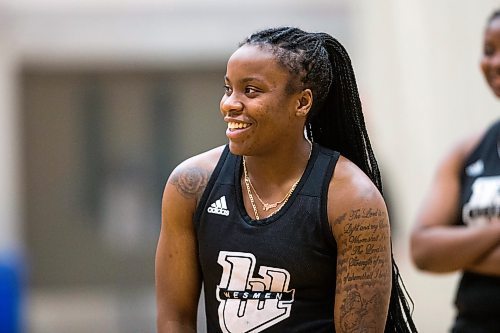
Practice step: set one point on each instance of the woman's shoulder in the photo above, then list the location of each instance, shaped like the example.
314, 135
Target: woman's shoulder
206, 160
191, 176
352, 194
460, 151
351, 185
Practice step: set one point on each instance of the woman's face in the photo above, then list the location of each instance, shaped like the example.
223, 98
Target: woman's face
257, 106
490, 62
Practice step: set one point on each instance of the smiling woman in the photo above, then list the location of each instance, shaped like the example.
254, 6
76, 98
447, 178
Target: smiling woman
288, 232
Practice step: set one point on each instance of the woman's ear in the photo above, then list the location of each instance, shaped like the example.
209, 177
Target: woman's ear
304, 103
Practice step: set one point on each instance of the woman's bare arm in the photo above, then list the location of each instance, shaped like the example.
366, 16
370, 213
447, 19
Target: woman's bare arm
359, 220
178, 275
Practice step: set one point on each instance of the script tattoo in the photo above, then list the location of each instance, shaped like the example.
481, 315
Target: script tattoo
190, 182
363, 268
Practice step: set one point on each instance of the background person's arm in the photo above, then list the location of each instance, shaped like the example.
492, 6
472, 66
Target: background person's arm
437, 244
489, 265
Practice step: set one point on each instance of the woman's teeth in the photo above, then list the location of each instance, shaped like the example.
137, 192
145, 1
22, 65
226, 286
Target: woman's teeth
234, 125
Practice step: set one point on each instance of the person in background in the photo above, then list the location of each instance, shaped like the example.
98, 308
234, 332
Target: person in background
286, 226
458, 226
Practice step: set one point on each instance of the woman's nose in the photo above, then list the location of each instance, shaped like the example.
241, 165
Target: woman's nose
231, 104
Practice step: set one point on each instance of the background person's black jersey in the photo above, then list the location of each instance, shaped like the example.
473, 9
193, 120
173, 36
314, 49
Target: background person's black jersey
478, 295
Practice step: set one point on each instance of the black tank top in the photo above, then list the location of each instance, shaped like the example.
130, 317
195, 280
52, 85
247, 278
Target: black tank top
272, 275
478, 295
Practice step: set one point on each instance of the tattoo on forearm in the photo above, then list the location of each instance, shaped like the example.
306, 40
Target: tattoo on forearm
190, 182
363, 268
354, 313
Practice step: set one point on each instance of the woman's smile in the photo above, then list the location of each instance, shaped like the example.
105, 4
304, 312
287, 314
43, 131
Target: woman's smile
236, 129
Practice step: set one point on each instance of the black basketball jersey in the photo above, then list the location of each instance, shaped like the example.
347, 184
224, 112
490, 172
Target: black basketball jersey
478, 295
271, 275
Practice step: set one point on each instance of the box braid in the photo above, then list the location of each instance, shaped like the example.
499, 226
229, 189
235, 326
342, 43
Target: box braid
320, 63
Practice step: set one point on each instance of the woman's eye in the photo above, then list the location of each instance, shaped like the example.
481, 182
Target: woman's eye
488, 50
250, 90
227, 89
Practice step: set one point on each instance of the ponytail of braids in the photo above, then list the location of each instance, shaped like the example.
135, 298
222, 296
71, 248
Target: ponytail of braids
340, 125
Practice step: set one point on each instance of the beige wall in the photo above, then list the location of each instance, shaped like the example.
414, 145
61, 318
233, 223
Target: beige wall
418, 66
419, 73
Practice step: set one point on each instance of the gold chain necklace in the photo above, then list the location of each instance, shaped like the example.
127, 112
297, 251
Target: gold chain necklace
267, 206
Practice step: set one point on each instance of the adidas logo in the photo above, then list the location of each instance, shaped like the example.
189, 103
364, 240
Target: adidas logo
219, 207
475, 169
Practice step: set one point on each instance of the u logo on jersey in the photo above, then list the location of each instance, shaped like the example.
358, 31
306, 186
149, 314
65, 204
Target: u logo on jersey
247, 303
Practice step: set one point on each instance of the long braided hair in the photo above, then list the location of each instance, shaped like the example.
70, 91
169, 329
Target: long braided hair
336, 120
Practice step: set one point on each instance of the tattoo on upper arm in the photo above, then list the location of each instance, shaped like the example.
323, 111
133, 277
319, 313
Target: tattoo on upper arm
363, 268
190, 182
